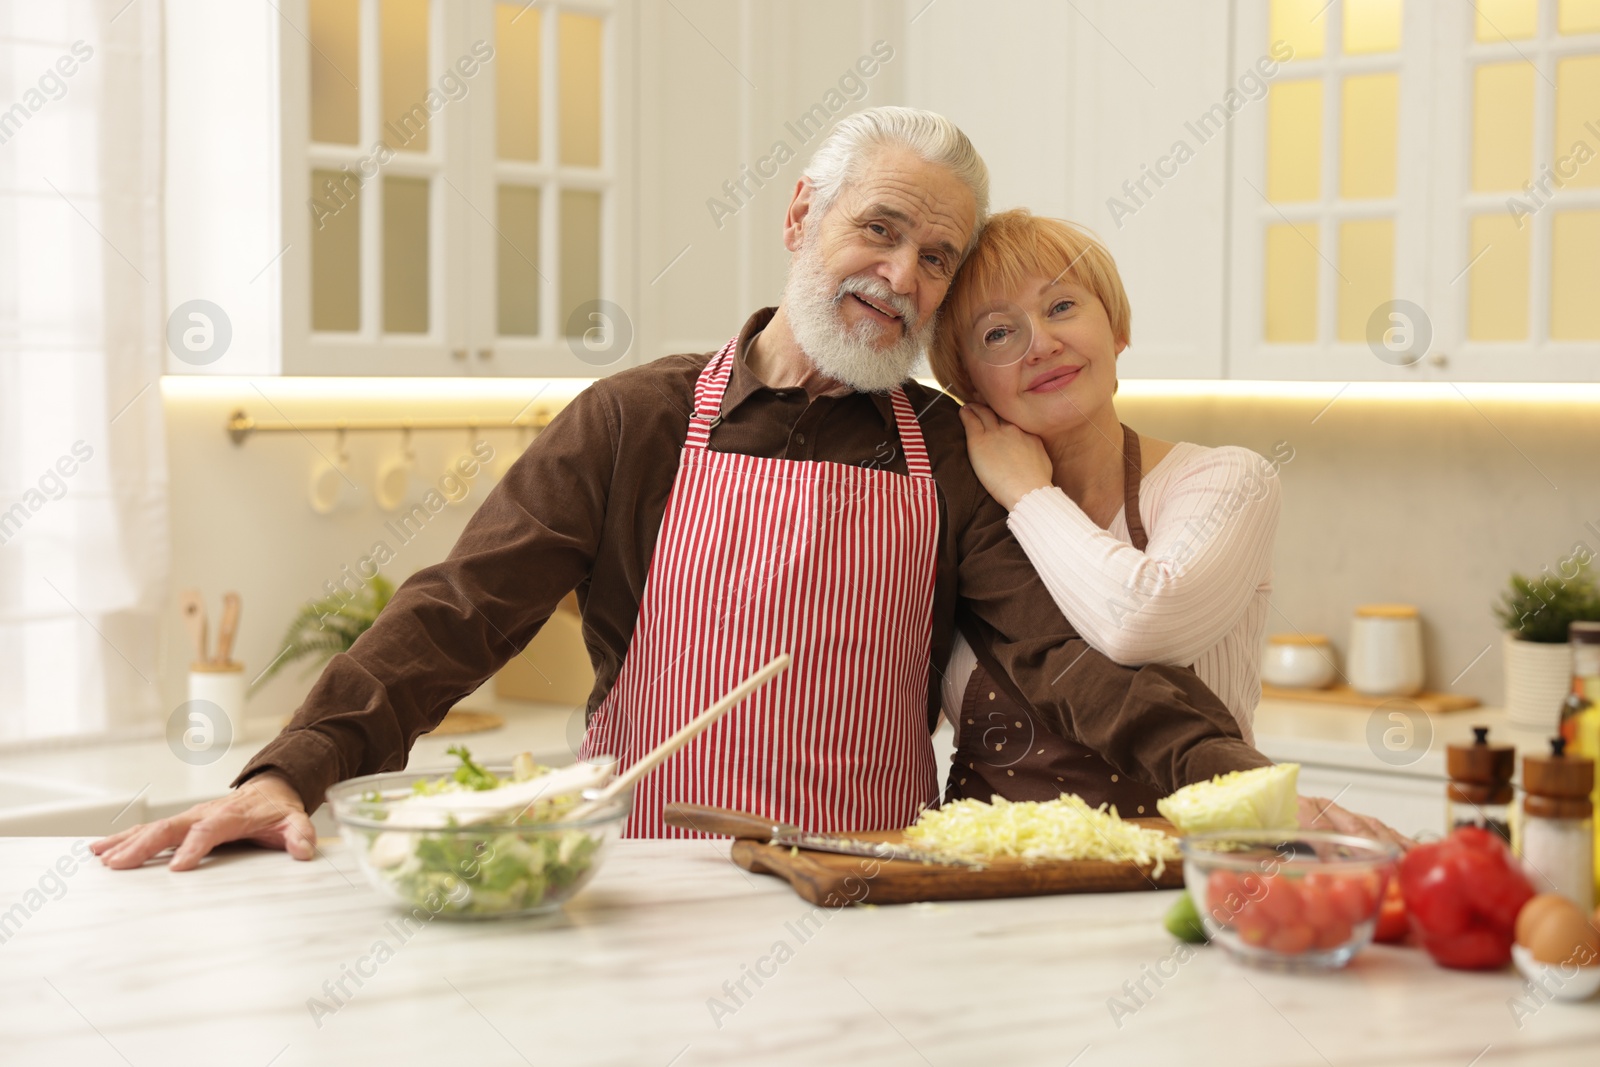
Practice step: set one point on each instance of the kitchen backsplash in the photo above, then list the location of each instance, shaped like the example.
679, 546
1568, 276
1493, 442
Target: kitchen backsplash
1432, 502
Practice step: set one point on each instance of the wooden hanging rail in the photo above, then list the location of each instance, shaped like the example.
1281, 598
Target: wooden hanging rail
241, 425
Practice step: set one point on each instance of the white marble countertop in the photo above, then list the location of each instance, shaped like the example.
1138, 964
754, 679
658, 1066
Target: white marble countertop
1356, 738
1286, 730
169, 784
220, 966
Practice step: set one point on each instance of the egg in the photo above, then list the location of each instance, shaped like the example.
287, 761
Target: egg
1555, 930
1534, 912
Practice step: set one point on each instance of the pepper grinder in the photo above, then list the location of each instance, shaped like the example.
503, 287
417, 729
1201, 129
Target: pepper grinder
1480, 792
1557, 835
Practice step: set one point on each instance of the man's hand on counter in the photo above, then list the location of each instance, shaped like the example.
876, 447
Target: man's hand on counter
265, 810
1319, 814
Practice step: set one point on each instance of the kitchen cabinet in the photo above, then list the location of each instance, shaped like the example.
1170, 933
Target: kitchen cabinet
401, 187
1412, 200
1411, 804
1082, 121
1305, 189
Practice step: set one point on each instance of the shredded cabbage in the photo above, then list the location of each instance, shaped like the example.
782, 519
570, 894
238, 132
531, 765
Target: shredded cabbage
1063, 829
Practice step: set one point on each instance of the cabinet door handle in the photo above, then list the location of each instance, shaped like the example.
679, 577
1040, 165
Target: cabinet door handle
458, 353
485, 353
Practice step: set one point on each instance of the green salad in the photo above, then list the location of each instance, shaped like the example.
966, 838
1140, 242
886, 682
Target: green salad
493, 868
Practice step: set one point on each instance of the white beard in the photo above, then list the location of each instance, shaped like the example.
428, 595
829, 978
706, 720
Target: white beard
850, 354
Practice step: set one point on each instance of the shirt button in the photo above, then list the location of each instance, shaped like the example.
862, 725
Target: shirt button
991, 696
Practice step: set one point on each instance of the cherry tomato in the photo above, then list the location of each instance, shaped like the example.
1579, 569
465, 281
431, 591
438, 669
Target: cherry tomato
1393, 922
1334, 933
1316, 905
1349, 899
1281, 904
1292, 939
1251, 930
1219, 888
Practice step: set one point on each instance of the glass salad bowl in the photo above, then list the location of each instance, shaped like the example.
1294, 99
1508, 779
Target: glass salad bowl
1288, 899
524, 862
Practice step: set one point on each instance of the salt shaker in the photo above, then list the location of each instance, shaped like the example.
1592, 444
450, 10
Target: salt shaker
1557, 831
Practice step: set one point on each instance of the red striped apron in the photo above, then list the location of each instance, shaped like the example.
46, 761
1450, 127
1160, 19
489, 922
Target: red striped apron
829, 562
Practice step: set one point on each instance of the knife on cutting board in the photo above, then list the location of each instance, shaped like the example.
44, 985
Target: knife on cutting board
746, 826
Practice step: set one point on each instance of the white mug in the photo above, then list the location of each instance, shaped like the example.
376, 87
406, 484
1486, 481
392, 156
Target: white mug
1385, 657
329, 479
396, 476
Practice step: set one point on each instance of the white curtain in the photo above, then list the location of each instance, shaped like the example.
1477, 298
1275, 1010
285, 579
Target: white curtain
83, 494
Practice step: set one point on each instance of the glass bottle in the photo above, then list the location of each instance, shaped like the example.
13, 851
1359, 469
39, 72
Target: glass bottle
1580, 712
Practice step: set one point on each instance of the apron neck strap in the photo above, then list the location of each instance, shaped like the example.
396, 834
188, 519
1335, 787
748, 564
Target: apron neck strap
911, 442
713, 383
1132, 472
708, 390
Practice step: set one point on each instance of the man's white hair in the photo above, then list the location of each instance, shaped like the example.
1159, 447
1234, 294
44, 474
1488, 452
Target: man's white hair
932, 137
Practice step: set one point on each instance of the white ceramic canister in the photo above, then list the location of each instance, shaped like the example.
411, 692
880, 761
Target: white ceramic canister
1297, 661
1385, 657
221, 685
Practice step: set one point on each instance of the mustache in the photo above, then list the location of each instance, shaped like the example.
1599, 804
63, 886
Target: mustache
880, 292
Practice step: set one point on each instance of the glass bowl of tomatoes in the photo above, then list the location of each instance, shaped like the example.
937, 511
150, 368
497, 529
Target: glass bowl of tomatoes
1294, 900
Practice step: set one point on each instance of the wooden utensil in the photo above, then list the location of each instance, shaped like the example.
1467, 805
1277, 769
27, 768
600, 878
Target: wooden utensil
227, 629
656, 756
833, 880
193, 607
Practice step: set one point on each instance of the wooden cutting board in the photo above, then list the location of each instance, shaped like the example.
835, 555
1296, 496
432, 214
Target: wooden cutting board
832, 880
1339, 693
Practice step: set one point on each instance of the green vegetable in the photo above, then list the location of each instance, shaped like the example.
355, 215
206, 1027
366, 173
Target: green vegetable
1265, 798
497, 868
1183, 921
470, 774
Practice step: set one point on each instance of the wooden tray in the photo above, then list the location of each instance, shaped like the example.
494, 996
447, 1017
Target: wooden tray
832, 880
1339, 693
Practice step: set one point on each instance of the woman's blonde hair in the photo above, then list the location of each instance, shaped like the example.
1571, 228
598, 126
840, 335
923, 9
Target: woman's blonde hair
1014, 247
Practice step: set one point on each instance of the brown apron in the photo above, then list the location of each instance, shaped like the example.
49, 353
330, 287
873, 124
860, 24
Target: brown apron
1005, 749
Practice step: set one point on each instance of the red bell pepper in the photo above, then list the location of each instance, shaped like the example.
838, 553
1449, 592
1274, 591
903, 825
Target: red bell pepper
1463, 894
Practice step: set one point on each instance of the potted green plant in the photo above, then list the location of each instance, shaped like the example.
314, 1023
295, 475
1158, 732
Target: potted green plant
1535, 613
323, 628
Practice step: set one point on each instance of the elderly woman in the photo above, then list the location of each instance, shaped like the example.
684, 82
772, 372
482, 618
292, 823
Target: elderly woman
1158, 552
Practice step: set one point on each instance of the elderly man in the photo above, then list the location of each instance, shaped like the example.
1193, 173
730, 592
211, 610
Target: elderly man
790, 492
